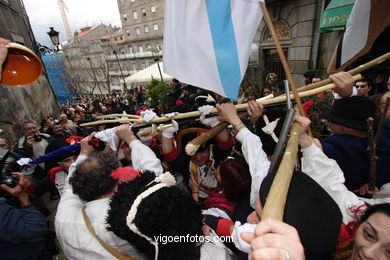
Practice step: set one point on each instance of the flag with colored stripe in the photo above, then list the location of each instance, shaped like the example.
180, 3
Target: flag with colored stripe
207, 43
365, 33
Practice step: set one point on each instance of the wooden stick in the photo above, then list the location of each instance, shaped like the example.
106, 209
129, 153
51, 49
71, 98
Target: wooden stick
372, 153
382, 121
150, 131
119, 115
195, 143
277, 196
123, 121
266, 102
283, 59
354, 71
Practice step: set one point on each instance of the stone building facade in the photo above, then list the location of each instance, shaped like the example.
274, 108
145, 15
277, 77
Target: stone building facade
297, 25
143, 28
33, 101
85, 61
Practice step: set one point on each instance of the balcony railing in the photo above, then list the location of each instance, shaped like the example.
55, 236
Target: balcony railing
145, 54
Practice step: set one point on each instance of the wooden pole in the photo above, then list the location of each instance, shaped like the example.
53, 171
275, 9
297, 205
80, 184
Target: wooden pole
193, 145
382, 121
354, 71
372, 153
283, 59
119, 115
277, 196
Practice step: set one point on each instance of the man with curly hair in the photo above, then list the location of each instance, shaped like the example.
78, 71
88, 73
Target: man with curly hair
84, 203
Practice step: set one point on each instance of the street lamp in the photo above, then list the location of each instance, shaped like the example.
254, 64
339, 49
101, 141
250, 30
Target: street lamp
157, 60
53, 34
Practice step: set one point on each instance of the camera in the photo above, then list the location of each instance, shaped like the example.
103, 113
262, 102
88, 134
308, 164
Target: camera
8, 165
37, 137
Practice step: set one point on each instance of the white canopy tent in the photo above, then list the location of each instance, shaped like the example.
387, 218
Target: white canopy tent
146, 75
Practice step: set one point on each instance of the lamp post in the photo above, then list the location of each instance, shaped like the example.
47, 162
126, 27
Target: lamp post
120, 68
159, 69
53, 34
152, 50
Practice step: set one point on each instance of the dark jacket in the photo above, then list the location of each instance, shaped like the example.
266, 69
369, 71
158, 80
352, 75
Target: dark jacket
350, 153
22, 232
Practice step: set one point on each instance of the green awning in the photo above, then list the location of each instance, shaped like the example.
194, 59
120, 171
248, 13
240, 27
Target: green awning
336, 15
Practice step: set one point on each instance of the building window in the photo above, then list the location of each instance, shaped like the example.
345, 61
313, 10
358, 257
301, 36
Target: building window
137, 31
155, 27
135, 15
158, 47
127, 32
143, 11
146, 28
124, 17
153, 10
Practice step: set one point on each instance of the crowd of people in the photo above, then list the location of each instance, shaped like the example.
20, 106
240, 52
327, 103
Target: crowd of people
122, 196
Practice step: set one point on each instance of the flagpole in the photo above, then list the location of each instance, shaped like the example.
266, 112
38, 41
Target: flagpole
286, 68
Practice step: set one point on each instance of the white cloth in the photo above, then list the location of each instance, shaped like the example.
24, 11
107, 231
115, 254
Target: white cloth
205, 110
25, 167
143, 158
216, 212
237, 239
148, 115
171, 115
75, 239
109, 137
168, 132
60, 181
327, 173
256, 159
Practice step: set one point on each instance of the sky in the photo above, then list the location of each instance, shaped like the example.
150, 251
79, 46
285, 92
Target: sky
45, 13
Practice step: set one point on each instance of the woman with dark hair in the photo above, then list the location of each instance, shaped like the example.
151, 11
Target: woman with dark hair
234, 181
265, 91
373, 235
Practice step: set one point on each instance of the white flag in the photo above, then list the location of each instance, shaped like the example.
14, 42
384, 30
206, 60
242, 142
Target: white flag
207, 43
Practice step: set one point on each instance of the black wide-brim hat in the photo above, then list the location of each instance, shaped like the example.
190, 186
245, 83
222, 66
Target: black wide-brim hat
351, 112
311, 210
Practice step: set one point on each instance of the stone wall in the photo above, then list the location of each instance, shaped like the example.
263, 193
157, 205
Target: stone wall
17, 104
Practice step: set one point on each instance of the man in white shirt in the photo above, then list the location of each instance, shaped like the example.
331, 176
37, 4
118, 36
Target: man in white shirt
89, 185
